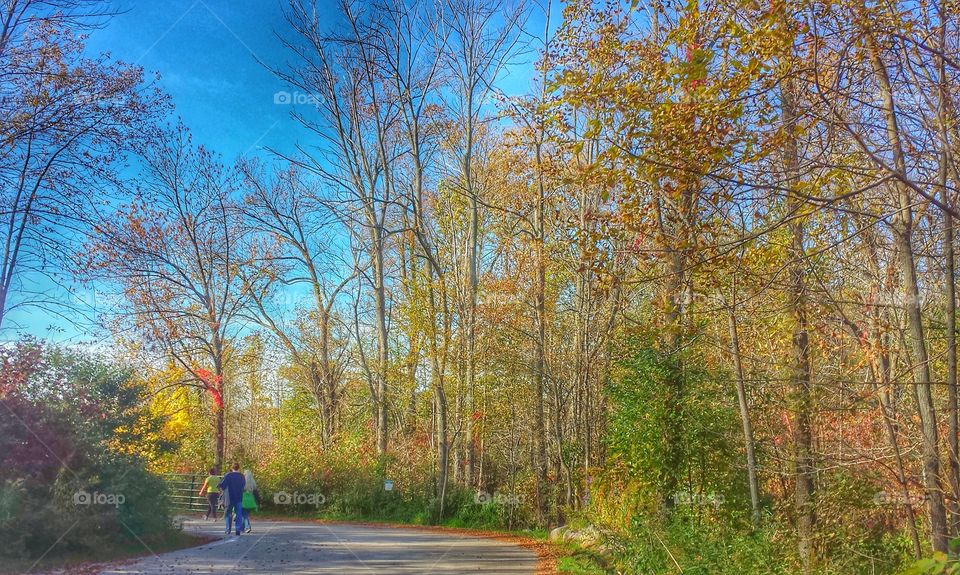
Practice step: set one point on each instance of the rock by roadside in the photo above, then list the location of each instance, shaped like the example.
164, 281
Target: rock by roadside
589, 537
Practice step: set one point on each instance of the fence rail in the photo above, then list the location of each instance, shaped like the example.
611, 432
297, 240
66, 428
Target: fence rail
184, 491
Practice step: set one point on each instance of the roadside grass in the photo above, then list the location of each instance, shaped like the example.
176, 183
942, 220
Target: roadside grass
578, 563
88, 563
420, 520
574, 560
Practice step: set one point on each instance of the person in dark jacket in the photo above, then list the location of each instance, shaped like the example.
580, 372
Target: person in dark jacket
232, 488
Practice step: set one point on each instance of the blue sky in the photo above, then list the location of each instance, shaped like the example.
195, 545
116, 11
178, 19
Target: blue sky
206, 52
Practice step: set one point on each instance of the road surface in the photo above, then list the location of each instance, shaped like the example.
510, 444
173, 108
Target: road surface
315, 548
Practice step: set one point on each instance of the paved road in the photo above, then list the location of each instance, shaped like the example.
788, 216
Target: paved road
313, 548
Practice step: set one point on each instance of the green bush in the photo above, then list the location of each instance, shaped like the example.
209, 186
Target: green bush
938, 564
350, 477
71, 482
705, 548
707, 530
671, 439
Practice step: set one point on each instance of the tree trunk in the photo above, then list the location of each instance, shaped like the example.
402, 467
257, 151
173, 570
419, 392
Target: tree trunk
903, 236
801, 373
744, 414
539, 368
540, 327
671, 302
950, 276
921, 376
220, 435
472, 286
438, 357
319, 387
443, 447
220, 416
380, 304
953, 439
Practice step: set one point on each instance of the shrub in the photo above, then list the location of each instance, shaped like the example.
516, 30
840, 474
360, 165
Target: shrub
70, 481
350, 477
708, 530
699, 419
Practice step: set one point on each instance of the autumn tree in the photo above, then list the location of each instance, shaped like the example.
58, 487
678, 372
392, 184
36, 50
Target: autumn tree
66, 121
173, 252
291, 235
353, 119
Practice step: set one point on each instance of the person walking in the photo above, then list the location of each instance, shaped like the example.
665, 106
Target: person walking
210, 489
251, 498
232, 486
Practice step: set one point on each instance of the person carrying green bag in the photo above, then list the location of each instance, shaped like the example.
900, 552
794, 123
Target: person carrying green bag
251, 499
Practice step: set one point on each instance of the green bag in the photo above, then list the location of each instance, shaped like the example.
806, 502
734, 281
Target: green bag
249, 501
